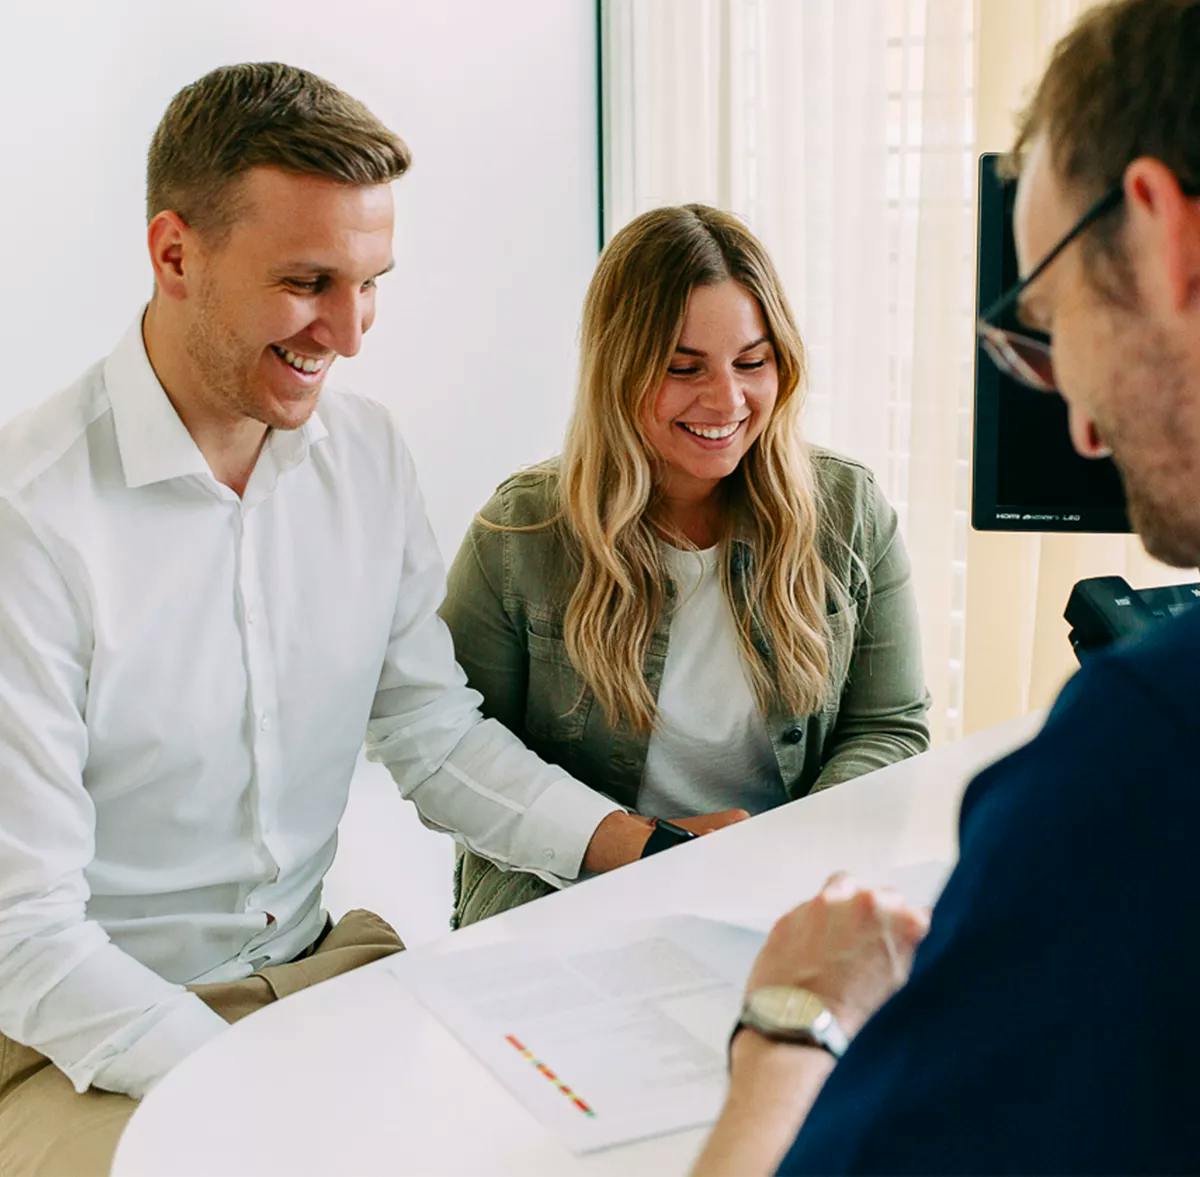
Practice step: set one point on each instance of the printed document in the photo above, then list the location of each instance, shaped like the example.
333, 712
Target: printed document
612, 1036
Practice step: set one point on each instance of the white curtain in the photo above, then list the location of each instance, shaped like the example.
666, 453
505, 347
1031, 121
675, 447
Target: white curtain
846, 134
842, 132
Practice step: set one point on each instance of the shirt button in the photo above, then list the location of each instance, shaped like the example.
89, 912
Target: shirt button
264, 723
793, 735
251, 617
548, 855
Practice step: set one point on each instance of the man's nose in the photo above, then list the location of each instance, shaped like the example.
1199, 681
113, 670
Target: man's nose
344, 317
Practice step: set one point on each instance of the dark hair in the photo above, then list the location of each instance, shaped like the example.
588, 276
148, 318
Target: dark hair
261, 114
1124, 83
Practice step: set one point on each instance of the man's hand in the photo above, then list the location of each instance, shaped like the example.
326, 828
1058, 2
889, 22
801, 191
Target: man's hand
851, 946
621, 837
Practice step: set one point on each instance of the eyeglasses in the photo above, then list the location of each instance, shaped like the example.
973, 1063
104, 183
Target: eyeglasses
1026, 355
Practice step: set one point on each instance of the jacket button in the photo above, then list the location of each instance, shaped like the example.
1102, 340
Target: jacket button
793, 735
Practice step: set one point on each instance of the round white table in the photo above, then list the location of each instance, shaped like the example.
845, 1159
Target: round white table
354, 1077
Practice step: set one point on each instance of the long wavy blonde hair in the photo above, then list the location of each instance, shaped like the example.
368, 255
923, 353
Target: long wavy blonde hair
608, 484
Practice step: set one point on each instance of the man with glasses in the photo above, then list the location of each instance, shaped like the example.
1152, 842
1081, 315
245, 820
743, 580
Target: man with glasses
1045, 1023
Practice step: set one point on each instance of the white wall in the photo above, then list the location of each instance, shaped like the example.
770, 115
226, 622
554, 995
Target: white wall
474, 345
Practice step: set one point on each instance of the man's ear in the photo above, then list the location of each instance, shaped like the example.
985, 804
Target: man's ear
172, 244
1164, 228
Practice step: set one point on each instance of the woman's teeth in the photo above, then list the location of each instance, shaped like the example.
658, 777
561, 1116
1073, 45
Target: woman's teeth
300, 363
711, 432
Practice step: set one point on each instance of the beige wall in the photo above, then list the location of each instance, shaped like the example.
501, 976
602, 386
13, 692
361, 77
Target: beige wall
1017, 655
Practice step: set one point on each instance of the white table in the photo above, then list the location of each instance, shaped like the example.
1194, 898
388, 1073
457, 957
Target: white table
353, 1077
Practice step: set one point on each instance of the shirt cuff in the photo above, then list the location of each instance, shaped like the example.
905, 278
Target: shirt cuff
554, 834
186, 1025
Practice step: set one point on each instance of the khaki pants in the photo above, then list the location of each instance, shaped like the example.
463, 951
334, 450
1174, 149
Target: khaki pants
48, 1130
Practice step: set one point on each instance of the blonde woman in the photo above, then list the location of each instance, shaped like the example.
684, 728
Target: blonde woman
690, 610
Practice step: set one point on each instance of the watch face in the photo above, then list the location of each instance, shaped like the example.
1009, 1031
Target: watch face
786, 1006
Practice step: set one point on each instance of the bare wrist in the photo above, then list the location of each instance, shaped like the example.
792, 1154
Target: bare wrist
772, 1085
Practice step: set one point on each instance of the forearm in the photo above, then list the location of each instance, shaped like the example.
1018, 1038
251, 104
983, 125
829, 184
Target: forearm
772, 1087
860, 747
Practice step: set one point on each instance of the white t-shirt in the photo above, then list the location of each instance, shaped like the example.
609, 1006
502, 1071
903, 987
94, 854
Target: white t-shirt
710, 749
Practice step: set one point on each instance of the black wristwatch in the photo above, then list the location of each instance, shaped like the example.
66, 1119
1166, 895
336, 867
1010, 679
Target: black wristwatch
665, 835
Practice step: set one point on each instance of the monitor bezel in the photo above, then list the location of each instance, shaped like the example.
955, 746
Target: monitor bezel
986, 513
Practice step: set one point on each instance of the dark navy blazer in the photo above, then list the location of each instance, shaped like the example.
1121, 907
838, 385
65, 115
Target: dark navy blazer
1052, 1020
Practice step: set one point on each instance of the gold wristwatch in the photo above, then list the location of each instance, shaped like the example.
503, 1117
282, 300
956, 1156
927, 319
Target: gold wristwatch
787, 1013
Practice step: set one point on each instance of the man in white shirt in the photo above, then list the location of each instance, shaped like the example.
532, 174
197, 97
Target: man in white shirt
210, 594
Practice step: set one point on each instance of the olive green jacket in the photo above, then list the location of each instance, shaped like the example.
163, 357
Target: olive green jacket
506, 598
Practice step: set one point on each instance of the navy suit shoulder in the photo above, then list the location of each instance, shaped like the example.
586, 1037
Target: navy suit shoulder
1048, 1024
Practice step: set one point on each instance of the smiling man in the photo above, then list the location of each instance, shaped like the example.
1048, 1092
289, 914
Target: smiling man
1048, 1024
250, 316
216, 578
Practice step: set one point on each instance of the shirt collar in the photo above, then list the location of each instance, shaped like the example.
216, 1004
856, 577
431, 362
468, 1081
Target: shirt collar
283, 450
291, 446
153, 442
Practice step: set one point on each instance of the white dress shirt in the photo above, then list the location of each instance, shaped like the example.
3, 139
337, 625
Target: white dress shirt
710, 749
186, 678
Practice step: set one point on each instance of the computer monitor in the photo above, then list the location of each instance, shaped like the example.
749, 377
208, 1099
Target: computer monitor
1027, 476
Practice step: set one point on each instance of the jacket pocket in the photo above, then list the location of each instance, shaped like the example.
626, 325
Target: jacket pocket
557, 703
843, 628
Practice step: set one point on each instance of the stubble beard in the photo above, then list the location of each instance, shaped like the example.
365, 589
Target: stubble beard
1154, 431
223, 367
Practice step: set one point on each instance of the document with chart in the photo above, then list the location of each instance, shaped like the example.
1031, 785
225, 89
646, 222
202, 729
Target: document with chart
610, 1036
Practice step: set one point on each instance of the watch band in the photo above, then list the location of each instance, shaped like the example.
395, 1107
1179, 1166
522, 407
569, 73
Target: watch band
812, 1024
664, 835
834, 1044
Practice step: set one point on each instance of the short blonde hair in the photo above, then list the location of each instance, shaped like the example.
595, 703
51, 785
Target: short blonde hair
261, 114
